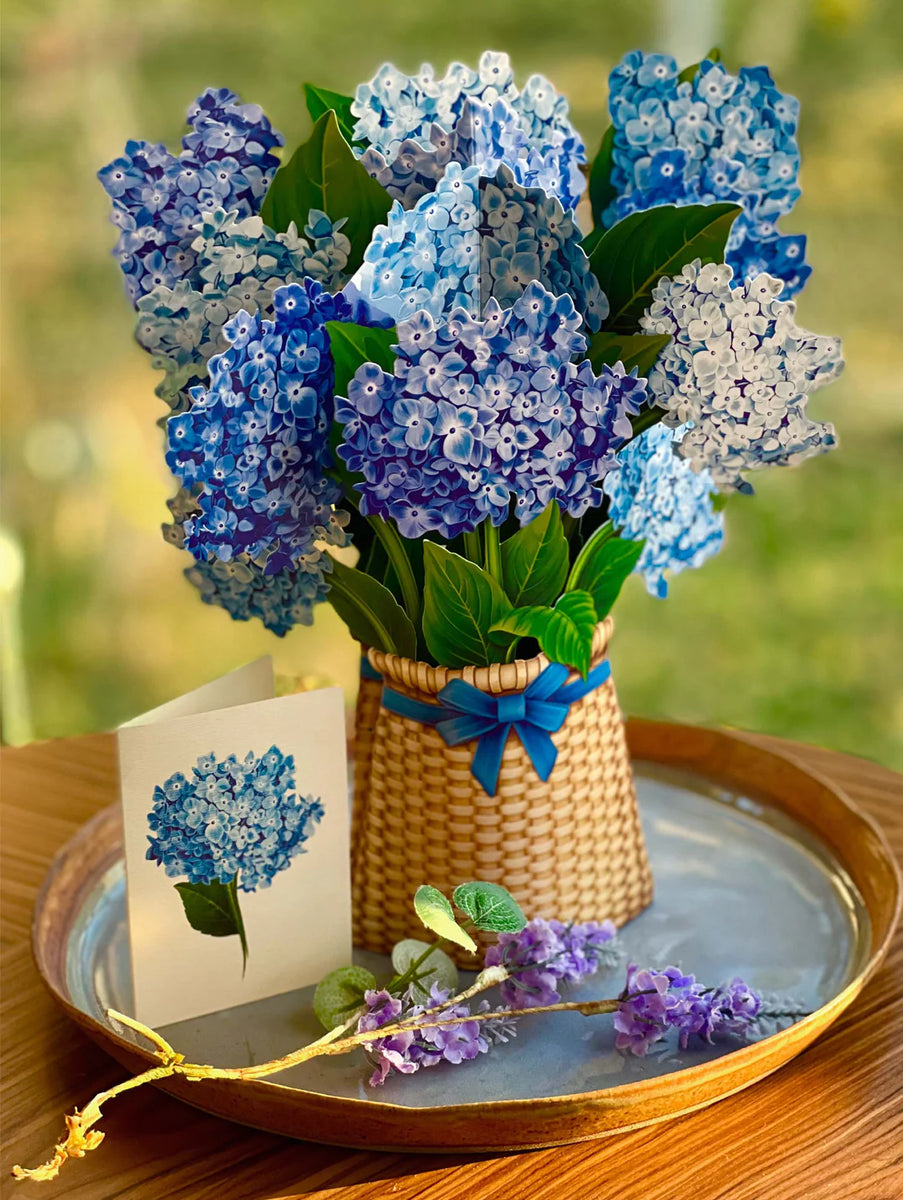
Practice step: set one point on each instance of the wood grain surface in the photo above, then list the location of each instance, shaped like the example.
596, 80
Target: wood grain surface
827, 1127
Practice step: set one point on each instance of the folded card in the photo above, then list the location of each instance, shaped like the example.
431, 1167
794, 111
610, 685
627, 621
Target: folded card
235, 810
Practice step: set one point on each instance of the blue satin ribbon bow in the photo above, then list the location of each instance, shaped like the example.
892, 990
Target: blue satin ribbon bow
465, 714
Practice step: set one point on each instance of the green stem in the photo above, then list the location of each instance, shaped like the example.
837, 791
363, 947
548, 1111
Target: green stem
232, 892
493, 551
394, 547
602, 534
472, 549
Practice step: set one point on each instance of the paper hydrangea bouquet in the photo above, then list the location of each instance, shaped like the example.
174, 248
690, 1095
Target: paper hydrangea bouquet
507, 377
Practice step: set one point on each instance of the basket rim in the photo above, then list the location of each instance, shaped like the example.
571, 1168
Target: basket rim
493, 680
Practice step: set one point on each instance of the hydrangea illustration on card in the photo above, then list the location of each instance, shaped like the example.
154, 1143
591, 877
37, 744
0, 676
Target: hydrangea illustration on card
230, 825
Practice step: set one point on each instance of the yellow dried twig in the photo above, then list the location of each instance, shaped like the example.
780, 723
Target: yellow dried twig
82, 1137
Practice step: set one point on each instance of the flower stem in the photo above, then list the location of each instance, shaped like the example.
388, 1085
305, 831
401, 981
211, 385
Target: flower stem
493, 551
401, 565
472, 549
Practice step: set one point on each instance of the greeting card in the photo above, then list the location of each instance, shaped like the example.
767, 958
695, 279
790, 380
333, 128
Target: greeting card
235, 808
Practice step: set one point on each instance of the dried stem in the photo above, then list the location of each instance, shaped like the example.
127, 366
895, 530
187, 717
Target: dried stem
82, 1137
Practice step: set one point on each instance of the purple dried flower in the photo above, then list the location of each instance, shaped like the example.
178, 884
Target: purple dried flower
546, 954
408, 1051
653, 1002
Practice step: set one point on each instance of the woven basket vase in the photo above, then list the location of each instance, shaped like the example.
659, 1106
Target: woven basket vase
366, 713
570, 847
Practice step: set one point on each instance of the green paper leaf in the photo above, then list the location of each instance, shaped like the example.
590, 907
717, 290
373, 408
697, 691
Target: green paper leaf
324, 174
535, 560
601, 189
633, 255
688, 74
461, 603
490, 907
438, 968
602, 566
372, 614
353, 345
339, 993
321, 100
564, 633
437, 915
638, 350
213, 908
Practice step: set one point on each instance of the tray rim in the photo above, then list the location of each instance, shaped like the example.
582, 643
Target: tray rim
723, 757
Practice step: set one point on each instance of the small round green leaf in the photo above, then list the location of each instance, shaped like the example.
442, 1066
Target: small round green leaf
490, 907
438, 968
436, 913
339, 992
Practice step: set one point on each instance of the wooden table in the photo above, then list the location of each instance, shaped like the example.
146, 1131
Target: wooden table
827, 1127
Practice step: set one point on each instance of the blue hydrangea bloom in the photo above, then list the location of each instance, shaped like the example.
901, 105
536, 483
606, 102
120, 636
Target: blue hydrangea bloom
485, 136
412, 127
718, 137
280, 601
254, 446
226, 162
241, 587
482, 412
657, 496
738, 370
239, 264
472, 239
235, 817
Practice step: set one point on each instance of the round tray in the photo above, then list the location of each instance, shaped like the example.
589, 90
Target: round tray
762, 869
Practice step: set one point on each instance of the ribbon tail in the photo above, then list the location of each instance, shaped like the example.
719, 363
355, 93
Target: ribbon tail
487, 761
456, 728
539, 746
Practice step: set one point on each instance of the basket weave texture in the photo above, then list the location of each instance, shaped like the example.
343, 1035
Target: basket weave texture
366, 713
570, 847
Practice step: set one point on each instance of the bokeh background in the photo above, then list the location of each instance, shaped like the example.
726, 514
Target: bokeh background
794, 629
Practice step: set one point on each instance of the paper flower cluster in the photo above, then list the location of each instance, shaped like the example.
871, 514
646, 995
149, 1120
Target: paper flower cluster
231, 817
480, 413
239, 263
226, 162
257, 440
484, 136
739, 369
719, 137
546, 956
279, 601
654, 1002
658, 497
472, 239
410, 123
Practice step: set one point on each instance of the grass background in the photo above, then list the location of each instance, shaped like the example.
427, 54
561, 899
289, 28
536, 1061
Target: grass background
795, 628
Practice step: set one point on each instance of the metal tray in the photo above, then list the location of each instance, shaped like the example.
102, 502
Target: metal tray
761, 869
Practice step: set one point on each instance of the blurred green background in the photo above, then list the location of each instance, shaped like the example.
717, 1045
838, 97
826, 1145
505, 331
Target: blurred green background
794, 629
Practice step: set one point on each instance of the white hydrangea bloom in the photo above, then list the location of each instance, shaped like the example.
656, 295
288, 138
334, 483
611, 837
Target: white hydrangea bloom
739, 370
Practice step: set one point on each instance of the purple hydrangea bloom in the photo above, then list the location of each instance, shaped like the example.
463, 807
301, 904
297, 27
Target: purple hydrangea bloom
236, 817
408, 1051
717, 137
158, 198
254, 446
545, 955
482, 412
654, 1002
